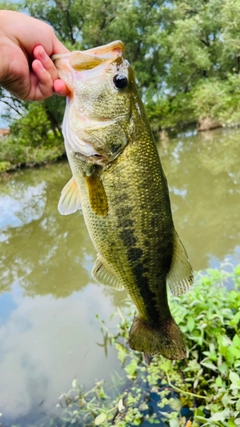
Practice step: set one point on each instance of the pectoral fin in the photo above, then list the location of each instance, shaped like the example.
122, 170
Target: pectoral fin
69, 201
103, 276
97, 195
180, 276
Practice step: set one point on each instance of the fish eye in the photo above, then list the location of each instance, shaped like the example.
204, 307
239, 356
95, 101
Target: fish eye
120, 81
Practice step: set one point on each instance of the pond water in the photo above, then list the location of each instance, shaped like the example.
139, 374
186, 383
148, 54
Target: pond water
49, 333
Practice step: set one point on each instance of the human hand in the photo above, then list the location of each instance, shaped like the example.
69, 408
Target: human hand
26, 69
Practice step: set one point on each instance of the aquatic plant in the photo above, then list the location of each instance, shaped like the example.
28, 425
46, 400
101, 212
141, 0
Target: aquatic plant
202, 390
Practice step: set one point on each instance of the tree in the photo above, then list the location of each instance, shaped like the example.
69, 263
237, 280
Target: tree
178, 48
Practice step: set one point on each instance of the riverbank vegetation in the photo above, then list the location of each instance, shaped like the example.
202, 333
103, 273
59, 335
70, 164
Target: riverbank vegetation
202, 390
185, 55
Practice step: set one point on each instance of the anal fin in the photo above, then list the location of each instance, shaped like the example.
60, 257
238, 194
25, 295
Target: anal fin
103, 276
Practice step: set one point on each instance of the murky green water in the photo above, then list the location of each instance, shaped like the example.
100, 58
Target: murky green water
48, 302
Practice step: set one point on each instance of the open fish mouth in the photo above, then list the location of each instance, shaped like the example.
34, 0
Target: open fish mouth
91, 58
86, 69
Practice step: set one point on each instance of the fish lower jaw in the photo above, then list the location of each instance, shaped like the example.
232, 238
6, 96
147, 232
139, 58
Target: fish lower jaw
75, 141
77, 146
85, 151
94, 159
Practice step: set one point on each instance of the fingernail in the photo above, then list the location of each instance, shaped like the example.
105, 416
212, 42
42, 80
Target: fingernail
41, 52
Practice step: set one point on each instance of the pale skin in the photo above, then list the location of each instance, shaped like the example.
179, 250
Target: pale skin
26, 69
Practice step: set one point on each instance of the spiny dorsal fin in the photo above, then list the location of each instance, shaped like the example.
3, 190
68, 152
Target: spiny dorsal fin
180, 275
97, 195
69, 201
103, 276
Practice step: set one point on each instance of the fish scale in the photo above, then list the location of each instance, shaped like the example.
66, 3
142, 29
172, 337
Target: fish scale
123, 194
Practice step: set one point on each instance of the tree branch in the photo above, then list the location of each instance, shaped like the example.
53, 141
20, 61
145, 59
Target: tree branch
11, 105
206, 43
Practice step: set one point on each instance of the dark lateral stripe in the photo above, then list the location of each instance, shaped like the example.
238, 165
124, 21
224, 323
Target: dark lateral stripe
136, 259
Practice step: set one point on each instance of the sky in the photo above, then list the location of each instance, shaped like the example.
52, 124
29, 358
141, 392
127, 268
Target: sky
4, 123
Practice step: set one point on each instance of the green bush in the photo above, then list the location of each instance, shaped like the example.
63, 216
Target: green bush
171, 112
33, 128
218, 100
31, 140
202, 390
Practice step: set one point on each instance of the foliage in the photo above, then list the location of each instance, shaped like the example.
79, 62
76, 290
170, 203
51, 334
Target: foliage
5, 166
31, 140
218, 99
33, 129
185, 53
172, 111
202, 390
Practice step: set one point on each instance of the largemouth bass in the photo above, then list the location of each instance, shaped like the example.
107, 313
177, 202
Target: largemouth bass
119, 184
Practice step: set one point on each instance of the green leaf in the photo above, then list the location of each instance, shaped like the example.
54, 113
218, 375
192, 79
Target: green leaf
236, 338
238, 405
173, 423
74, 384
221, 416
190, 323
132, 368
225, 400
100, 419
237, 270
219, 381
234, 378
209, 365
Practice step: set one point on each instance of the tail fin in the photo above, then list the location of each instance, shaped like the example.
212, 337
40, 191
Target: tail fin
165, 339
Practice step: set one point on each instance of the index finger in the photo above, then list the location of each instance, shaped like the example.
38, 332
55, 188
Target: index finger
40, 54
58, 47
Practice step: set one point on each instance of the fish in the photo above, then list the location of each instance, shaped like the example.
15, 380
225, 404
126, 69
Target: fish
118, 182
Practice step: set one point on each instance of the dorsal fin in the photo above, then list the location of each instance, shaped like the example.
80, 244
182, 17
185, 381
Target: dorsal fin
180, 275
103, 276
69, 201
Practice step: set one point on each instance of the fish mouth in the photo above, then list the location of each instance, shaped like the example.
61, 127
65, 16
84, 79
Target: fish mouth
85, 150
83, 143
91, 58
86, 67
94, 159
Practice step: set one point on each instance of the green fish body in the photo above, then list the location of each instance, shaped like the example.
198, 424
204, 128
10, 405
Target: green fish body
119, 183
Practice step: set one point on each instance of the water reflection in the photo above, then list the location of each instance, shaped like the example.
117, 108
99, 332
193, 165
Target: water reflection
48, 301
46, 247
45, 343
204, 178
